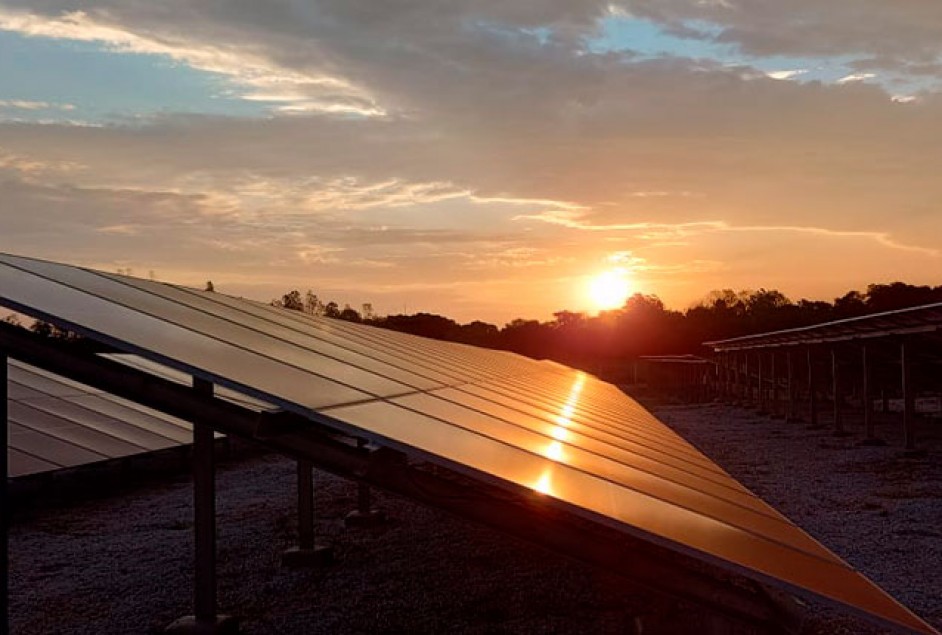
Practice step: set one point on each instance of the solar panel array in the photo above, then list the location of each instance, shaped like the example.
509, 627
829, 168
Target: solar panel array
914, 320
577, 440
56, 423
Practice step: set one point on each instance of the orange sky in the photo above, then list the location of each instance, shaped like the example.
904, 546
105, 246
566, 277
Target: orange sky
482, 162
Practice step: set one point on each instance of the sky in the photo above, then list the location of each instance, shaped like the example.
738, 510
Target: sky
483, 159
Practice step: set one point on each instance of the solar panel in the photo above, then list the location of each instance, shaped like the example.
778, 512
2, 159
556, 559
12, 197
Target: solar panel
528, 425
57, 423
176, 376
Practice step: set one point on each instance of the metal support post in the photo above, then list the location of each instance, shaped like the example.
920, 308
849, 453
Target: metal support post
870, 438
743, 369
909, 425
867, 414
204, 618
747, 383
761, 382
836, 389
4, 502
789, 387
774, 409
305, 505
307, 553
364, 515
737, 383
812, 397
204, 501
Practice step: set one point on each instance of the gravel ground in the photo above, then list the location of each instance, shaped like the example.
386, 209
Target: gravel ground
109, 551
878, 509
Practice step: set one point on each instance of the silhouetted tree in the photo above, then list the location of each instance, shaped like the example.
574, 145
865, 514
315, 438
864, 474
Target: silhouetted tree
643, 326
45, 329
312, 304
41, 328
899, 295
851, 304
528, 337
349, 314
479, 334
292, 301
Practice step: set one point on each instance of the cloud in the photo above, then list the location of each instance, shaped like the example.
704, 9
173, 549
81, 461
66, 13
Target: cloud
23, 104
788, 74
255, 72
668, 231
891, 33
855, 77
23, 166
419, 132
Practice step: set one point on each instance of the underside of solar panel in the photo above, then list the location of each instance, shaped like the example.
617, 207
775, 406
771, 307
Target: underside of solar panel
530, 427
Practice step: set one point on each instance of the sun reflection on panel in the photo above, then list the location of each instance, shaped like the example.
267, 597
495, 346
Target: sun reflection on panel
556, 450
545, 484
560, 433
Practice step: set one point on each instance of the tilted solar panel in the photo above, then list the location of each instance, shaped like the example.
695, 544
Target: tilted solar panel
57, 423
576, 440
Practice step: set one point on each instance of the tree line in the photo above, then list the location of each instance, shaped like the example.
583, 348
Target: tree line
643, 326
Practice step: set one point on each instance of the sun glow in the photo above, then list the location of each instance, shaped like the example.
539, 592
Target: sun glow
609, 289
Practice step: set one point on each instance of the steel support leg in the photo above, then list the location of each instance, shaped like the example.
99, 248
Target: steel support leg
307, 553
909, 424
870, 438
761, 393
775, 407
305, 505
748, 380
364, 515
812, 397
204, 618
204, 501
4, 502
836, 389
737, 383
790, 414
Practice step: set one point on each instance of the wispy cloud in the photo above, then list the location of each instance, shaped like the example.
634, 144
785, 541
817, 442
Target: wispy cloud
257, 74
856, 77
27, 167
786, 74
23, 104
661, 231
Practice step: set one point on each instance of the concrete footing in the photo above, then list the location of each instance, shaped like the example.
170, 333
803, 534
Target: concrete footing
371, 518
189, 625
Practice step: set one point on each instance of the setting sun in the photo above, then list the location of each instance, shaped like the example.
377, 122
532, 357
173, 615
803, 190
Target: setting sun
609, 289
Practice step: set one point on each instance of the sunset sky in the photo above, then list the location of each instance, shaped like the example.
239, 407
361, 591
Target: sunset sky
483, 159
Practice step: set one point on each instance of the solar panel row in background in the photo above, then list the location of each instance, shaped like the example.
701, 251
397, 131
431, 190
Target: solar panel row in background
57, 423
533, 426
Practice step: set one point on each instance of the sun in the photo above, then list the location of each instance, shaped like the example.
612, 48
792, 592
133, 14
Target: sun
609, 289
